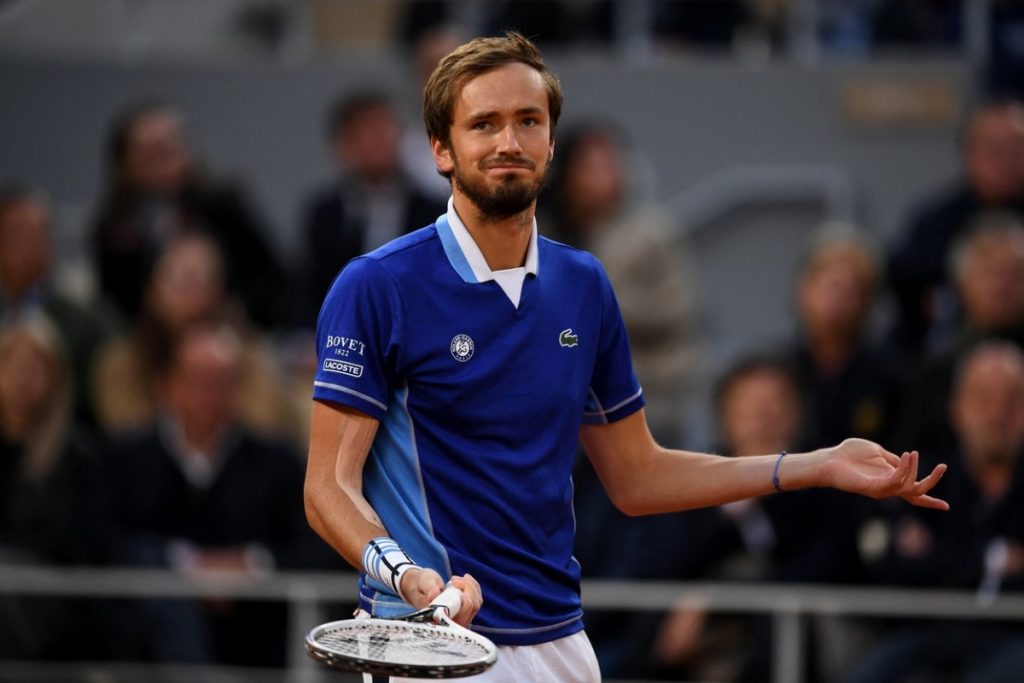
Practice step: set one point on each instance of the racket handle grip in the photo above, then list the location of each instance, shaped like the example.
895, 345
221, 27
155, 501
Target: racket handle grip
450, 600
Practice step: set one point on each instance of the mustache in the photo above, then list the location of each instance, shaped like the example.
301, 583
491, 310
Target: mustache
508, 161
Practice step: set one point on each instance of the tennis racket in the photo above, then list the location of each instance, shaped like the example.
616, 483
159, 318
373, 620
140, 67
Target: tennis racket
424, 644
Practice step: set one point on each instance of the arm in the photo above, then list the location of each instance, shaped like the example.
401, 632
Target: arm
641, 477
340, 440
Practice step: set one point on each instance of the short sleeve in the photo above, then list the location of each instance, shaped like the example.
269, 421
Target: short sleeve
358, 337
614, 391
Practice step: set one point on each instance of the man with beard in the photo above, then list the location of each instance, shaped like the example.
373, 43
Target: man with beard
459, 364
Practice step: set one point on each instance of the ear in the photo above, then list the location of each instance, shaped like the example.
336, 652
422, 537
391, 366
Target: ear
442, 156
551, 150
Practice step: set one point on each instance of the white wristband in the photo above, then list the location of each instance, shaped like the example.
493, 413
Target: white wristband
385, 561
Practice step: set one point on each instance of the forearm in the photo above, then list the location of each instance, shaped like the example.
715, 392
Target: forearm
335, 506
670, 480
342, 518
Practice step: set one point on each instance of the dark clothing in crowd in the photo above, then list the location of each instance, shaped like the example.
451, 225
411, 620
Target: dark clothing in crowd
336, 232
951, 552
57, 516
252, 500
862, 399
130, 232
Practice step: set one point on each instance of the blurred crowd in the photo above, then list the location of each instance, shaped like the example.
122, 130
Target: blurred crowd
162, 421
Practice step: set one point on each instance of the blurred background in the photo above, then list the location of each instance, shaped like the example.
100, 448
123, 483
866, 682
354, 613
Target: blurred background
810, 210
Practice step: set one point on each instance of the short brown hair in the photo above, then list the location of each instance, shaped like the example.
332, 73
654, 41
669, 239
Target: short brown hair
472, 59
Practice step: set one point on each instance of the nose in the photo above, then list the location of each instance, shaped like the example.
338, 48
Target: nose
508, 142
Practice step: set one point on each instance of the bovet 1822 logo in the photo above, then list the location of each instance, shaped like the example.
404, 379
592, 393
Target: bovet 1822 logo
462, 347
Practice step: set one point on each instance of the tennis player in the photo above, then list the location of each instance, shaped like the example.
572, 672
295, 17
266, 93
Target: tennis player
458, 366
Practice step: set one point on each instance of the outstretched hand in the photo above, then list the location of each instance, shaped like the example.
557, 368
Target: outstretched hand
864, 467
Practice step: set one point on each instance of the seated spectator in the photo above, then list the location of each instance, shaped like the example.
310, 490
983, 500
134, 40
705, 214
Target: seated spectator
977, 545
850, 387
198, 492
186, 286
155, 191
804, 536
52, 503
26, 287
993, 179
588, 206
369, 203
988, 273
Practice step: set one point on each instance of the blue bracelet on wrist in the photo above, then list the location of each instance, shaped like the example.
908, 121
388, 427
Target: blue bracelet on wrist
775, 474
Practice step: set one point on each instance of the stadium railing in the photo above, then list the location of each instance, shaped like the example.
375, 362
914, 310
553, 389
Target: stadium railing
306, 594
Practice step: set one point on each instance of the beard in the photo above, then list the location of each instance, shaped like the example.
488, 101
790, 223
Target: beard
510, 196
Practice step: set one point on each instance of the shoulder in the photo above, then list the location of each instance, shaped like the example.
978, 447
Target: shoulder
389, 268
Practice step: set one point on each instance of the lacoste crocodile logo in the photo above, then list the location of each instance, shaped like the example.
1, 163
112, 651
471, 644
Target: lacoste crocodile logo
568, 339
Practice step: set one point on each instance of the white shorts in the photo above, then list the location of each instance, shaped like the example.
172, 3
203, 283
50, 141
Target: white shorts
566, 660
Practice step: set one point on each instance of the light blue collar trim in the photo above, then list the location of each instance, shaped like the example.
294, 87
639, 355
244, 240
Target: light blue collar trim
466, 257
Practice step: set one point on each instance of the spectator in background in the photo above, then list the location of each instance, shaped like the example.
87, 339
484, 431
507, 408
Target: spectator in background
849, 386
988, 274
371, 201
978, 545
807, 536
186, 286
196, 491
27, 288
52, 502
993, 166
156, 190
589, 206
417, 158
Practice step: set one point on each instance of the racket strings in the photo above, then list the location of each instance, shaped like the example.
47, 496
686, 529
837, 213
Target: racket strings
401, 643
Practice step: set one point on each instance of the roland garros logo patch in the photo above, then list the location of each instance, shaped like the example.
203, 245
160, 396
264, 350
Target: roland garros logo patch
462, 347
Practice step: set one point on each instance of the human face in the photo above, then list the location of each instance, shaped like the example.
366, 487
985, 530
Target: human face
834, 296
988, 406
202, 387
991, 287
157, 158
994, 155
501, 145
28, 381
760, 413
25, 249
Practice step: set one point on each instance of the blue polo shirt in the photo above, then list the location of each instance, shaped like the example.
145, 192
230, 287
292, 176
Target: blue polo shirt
480, 399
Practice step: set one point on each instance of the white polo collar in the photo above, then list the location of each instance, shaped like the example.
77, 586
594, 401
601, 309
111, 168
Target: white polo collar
475, 258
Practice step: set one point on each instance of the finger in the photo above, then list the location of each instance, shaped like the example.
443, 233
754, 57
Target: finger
910, 478
899, 477
472, 599
929, 482
927, 502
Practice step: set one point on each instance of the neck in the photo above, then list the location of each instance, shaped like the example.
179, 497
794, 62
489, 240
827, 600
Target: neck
993, 478
204, 439
14, 425
503, 240
830, 352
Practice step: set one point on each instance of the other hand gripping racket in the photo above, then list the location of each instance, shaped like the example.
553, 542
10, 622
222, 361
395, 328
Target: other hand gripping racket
424, 644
